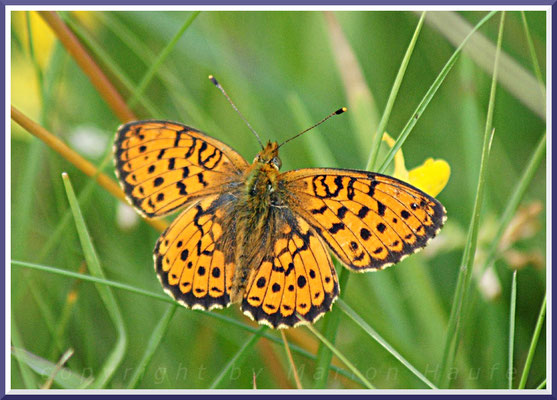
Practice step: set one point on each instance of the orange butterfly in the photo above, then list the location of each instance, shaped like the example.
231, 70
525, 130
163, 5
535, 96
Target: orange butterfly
254, 235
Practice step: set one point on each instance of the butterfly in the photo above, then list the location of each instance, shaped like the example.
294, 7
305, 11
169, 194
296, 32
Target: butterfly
252, 235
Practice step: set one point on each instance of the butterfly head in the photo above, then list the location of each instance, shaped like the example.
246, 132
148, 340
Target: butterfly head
269, 156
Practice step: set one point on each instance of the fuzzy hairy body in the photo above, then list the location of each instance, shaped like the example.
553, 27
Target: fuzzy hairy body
254, 220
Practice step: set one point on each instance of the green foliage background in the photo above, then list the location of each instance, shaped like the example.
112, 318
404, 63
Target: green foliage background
270, 62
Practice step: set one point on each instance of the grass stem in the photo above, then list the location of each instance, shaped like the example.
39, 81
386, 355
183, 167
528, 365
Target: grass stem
392, 96
374, 335
465, 273
116, 355
291, 360
341, 357
512, 320
89, 67
533, 345
71, 156
236, 359
429, 95
147, 78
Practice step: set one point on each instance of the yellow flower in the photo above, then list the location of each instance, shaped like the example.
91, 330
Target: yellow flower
25, 90
25, 93
431, 177
43, 38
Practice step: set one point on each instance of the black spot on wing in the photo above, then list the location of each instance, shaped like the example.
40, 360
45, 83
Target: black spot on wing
336, 227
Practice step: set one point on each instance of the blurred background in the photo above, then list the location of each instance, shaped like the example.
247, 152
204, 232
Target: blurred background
285, 71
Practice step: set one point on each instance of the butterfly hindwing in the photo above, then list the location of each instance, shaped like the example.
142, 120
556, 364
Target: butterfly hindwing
369, 220
296, 282
193, 257
163, 165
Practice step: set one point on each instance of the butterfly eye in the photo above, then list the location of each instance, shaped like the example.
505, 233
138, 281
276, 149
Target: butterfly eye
276, 162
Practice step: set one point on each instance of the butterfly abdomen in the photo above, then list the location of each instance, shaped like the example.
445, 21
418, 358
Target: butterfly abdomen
252, 223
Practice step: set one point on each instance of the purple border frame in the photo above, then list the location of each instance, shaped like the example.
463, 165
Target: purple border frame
3, 214
284, 2
287, 2
55, 3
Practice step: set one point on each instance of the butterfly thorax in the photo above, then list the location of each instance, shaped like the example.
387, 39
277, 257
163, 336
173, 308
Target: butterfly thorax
252, 221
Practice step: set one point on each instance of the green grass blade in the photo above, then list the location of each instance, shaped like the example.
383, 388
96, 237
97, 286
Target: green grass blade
392, 96
375, 336
24, 196
330, 329
386, 289
62, 323
471, 121
66, 378
237, 358
152, 345
320, 154
465, 274
55, 239
429, 95
49, 81
60, 229
116, 355
341, 357
423, 105
27, 375
423, 311
291, 363
514, 201
82, 199
160, 59
110, 66
514, 77
364, 116
57, 368
533, 345
324, 356
542, 384
168, 299
93, 279
363, 103
175, 88
512, 320
531, 48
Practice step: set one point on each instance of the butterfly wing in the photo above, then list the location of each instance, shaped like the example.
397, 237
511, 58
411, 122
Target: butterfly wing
296, 282
163, 165
369, 220
194, 257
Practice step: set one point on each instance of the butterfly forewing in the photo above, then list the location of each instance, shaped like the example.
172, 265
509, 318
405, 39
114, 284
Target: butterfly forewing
163, 165
370, 221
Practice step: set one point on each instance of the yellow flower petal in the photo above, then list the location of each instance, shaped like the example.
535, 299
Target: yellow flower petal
431, 177
43, 37
400, 171
25, 90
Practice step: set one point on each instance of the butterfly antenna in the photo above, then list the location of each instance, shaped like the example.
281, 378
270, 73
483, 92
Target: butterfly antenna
217, 84
337, 112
